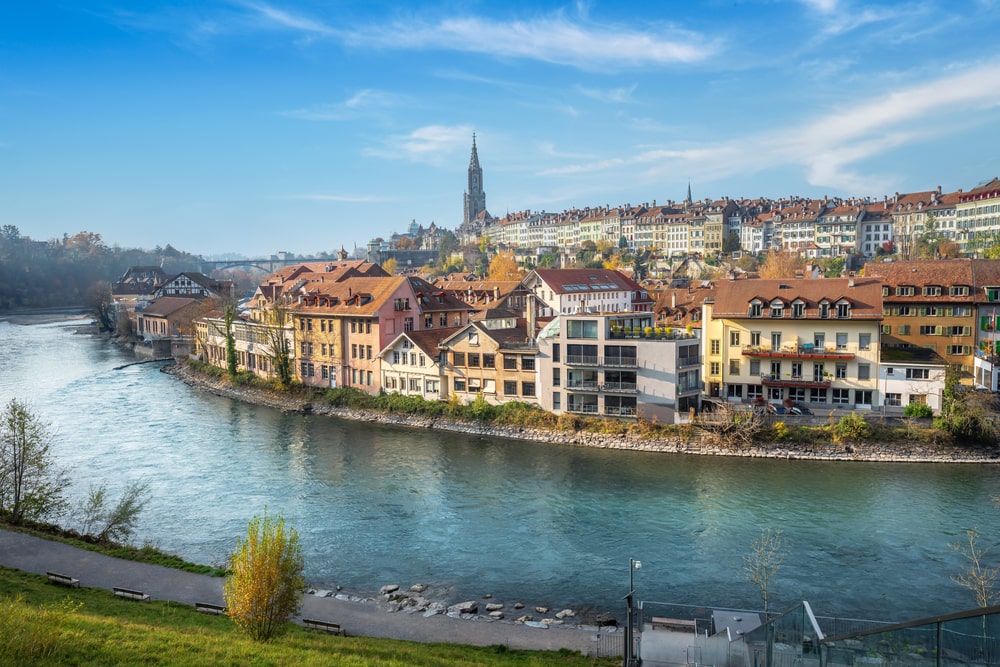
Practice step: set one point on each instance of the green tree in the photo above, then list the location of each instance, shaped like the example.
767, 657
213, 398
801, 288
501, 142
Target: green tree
731, 243
278, 341
968, 415
266, 584
31, 486
767, 553
231, 366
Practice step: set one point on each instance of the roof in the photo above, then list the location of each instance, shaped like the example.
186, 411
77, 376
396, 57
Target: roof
574, 281
426, 340
732, 298
166, 306
962, 271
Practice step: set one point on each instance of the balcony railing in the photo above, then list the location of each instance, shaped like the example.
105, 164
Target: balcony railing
593, 360
657, 333
585, 408
621, 387
583, 360
583, 386
822, 382
797, 352
621, 362
619, 411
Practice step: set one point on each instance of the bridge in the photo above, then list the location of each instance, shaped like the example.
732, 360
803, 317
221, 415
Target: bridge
268, 264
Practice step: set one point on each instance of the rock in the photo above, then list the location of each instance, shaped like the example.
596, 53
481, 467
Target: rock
605, 618
468, 607
494, 607
518, 605
418, 588
488, 596
524, 619
565, 613
387, 589
496, 615
541, 610
322, 593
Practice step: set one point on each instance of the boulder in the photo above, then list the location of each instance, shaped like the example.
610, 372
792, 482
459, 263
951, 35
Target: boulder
605, 618
518, 605
468, 607
495, 606
496, 615
388, 588
418, 588
541, 610
565, 613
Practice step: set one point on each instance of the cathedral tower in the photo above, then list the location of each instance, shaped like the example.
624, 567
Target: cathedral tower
475, 197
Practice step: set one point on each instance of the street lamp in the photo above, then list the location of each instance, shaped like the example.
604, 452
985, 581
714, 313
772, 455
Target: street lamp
629, 661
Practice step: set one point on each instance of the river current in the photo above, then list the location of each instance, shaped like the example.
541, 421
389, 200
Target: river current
543, 524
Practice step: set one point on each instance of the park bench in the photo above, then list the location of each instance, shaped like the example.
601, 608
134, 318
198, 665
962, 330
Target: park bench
326, 626
209, 608
63, 579
660, 623
129, 594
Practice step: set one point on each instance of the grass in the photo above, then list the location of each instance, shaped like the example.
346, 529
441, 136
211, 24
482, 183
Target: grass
45, 624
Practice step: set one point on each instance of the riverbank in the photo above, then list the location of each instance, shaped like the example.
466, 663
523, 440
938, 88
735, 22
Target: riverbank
689, 443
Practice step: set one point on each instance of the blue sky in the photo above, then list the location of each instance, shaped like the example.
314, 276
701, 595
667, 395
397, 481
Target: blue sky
301, 125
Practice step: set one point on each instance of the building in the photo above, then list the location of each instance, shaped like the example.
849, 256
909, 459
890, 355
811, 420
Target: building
813, 341
166, 325
410, 364
911, 376
565, 291
618, 365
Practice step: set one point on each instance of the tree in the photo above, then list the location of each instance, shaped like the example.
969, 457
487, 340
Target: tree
99, 299
969, 415
265, 586
279, 344
504, 267
781, 264
114, 524
977, 577
31, 487
390, 265
767, 553
731, 243
231, 360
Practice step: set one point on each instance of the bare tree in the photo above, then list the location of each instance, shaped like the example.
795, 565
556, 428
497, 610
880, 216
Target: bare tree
978, 577
767, 553
730, 427
114, 524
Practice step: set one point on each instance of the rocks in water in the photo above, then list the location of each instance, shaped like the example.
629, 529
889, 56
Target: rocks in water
387, 589
537, 624
322, 593
565, 613
488, 596
525, 619
605, 618
496, 615
541, 610
418, 588
495, 606
518, 605
467, 607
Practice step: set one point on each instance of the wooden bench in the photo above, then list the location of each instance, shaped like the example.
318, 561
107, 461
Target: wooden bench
209, 608
660, 623
129, 594
326, 626
63, 579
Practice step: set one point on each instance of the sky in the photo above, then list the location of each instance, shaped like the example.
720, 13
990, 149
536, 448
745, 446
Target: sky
258, 126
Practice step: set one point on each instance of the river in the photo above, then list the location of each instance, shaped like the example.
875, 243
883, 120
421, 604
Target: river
543, 524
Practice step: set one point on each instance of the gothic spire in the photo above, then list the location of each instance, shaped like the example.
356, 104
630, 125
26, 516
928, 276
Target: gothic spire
474, 160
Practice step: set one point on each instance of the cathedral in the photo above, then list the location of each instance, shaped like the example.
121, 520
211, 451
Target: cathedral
475, 215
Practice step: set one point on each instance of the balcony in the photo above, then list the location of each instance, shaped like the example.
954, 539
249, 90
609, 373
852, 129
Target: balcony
619, 411
621, 387
594, 360
796, 381
653, 333
796, 352
583, 386
583, 360
583, 408
621, 362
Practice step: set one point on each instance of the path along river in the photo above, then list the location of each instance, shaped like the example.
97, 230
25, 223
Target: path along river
543, 524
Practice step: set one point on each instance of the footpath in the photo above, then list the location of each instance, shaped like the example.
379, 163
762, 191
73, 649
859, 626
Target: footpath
364, 618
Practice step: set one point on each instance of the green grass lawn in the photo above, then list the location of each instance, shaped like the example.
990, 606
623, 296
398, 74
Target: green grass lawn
46, 624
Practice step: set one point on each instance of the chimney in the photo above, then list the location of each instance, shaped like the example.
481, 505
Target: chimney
850, 279
673, 299
530, 315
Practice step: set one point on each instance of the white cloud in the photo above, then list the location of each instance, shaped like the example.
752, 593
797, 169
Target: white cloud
283, 19
362, 102
616, 95
822, 6
431, 144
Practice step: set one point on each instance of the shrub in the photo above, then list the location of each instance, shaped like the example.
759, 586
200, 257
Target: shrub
852, 428
918, 410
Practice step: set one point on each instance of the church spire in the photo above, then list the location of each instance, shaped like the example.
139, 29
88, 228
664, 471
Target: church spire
475, 196
474, 160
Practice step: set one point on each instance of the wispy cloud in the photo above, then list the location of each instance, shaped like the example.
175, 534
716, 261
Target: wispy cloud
616, 95
556, 40
822, 6
431, 144
830, 149
362, 102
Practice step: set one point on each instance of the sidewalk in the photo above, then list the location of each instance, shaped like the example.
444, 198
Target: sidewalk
34, 554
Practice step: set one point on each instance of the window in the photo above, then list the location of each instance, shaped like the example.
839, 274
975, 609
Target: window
798, 309
958, 290
893, 399
734, 366
734, 338
368, 351
864, 341
754, 391
354, 351
841, 396
755, 309
528, 364
841, 371
556, 400
902, 329
458, 358
303, 346
473, 360
556, 377
904, 291
527, 388
918, 399
843, 310
555, 353
368, 327
510, 363
958, 331
841, 341
755, 338
824, 310
714, 346
713, 368
775, 340
459, 385
443, 320
917, 373
886, 329
817, 395
818, 372
734, 391
581, 329
930, 330
777, 309
354, 326
510, 388
864, 372
932, 290
862, 397
959, 350
473, 338
414, 384
489, 361
428, 321
475, 384
407, 324
755, 367
797, 394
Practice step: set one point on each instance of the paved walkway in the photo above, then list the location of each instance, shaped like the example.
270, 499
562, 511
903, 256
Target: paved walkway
38, 555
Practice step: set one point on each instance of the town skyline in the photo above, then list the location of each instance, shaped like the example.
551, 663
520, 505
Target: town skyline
256, 127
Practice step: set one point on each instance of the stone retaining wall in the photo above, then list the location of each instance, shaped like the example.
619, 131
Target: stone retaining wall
675, 445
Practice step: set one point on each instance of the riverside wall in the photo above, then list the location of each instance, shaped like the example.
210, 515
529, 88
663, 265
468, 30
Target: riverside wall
691, 443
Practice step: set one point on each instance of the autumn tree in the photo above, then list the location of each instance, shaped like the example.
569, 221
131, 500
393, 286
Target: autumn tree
113, 524
231, 359
767, 553
31, 486
504, 267
781, 264
265, 584
279, 343
390, 265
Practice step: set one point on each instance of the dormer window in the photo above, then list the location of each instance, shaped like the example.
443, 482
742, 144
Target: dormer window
958, 290
843, 310
824, 309
904, 291
798, 309
777, 309
932, 290
756, 309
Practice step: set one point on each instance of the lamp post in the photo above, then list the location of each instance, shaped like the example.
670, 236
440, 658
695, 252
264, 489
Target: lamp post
629, 661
